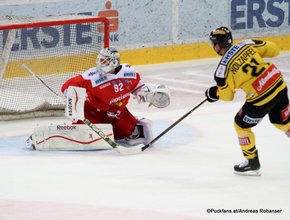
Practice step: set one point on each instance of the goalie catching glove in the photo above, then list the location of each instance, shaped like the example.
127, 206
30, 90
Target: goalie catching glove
158, 97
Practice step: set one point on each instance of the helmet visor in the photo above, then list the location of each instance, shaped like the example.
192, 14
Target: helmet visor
213, 41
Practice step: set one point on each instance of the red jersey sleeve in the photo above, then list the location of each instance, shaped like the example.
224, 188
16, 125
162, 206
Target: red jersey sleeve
138, 84
74, 81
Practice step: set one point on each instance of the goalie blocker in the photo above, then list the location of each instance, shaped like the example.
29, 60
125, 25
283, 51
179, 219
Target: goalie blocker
68, 137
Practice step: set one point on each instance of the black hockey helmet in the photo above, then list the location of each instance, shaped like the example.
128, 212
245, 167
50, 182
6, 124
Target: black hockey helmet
221, 36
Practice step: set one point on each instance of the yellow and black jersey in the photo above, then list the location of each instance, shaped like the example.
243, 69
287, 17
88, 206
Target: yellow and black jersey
243, 67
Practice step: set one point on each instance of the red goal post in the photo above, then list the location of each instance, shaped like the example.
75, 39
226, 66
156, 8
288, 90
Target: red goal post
55, 49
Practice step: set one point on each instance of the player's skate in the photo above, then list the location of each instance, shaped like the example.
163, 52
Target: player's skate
249, 167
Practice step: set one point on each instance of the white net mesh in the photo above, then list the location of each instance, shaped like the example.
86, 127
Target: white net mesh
53, 52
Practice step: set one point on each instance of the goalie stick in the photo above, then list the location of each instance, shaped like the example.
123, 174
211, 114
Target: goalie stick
120, 149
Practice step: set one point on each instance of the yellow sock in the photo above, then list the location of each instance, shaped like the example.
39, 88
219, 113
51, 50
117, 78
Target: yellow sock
285, 128
247, 141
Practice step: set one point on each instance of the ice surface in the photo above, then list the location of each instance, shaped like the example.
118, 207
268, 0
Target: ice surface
187, 174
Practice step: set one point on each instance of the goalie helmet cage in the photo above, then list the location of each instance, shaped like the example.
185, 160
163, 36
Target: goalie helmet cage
55, 49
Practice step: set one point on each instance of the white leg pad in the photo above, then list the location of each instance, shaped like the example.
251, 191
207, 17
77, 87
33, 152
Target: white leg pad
68, 137
145, 138
147, 130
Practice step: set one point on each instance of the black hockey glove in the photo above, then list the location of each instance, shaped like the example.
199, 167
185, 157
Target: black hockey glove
211, 94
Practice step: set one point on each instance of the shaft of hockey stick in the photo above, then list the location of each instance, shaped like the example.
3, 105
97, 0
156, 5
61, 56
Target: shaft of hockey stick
120, 149
113, 144
173, 125
39, 80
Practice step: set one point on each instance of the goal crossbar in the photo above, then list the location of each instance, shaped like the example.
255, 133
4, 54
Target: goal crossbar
104, 20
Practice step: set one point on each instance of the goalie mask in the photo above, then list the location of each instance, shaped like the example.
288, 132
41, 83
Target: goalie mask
108, 59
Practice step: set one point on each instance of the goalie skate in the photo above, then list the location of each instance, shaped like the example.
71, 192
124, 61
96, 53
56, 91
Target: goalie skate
141, 135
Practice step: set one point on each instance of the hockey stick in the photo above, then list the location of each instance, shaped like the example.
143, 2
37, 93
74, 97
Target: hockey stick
38, 79
113, 144
120, 149
140, 149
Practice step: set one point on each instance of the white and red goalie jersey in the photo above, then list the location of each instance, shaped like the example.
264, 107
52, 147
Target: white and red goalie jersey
106, 91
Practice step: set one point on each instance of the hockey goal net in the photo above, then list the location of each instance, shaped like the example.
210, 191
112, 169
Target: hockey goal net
52, 48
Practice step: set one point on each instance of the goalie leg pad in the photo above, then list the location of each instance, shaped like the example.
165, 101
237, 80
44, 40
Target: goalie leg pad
142, 134
68, 137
